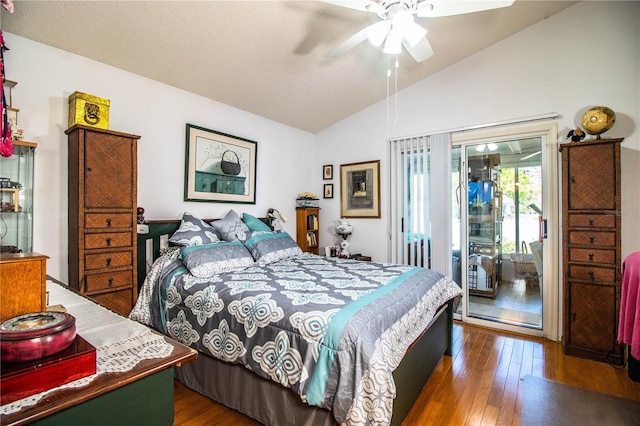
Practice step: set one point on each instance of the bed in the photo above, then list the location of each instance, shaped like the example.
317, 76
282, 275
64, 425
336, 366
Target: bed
291, 338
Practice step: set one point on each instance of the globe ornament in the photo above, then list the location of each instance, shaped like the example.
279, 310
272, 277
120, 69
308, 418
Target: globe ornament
598, 120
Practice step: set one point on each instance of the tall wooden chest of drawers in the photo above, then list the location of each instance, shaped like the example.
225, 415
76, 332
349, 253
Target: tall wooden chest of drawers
591, 249
103, 216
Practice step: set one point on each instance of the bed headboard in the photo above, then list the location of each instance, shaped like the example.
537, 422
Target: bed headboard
150, 244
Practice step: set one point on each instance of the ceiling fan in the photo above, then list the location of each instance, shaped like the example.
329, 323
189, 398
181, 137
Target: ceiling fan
398, 27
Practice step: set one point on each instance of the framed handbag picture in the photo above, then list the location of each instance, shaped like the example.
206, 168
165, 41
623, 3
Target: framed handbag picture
219, 167
360, 189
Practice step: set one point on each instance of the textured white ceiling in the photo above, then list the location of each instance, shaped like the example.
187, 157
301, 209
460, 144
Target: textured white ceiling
265, 57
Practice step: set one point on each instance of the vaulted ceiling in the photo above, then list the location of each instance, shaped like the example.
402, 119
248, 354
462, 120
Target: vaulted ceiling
265, 57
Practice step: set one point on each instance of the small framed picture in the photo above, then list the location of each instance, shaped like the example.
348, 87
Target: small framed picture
327, 172
328, 190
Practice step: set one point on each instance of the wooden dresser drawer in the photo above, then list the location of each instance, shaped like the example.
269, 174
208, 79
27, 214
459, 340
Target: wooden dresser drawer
595, 238
592, 273
108, 220
591, 220
120, 302
603, 256
108, 260
96, 282
107, 240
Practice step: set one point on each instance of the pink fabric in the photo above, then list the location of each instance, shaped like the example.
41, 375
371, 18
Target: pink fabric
629, 327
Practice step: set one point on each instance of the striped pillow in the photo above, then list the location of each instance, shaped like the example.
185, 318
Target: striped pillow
211, 259
269, 247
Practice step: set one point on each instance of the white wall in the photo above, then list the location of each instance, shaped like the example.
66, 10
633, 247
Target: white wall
587, 55
47, 76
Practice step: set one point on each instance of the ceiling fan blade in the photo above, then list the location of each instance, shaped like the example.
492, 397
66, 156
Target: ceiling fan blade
436, 8
420, 51
363, 5
349, 43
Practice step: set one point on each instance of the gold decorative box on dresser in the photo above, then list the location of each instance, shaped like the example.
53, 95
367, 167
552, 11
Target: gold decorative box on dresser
102, 215
591, 249
23, 283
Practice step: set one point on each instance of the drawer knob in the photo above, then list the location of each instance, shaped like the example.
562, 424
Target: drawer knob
591, 256
108, 262
590, 222
592, 239
573, 179
573, 316
108, 222
591, 275
110, 282
108, 242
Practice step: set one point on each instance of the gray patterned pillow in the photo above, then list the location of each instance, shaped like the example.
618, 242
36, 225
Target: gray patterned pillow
269, 247
212, 259
193, 232
230, 226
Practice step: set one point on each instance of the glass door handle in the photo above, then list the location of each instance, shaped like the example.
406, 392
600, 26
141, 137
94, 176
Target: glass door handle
543, 229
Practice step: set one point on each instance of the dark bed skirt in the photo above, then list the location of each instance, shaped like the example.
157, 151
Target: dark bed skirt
269, 403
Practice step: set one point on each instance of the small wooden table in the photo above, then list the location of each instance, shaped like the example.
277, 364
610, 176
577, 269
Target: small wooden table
140, 395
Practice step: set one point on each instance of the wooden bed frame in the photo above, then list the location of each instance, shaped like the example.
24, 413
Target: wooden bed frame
285, 407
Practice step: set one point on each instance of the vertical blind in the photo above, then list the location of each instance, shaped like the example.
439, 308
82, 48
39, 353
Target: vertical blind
420, 189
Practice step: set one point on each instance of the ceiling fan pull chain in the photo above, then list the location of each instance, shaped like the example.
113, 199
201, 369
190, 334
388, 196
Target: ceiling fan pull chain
388, 79
396, 89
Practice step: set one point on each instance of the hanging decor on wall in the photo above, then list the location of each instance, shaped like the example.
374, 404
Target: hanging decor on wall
360, 189
219, 167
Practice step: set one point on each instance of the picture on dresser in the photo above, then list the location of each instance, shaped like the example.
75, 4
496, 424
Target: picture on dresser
219, 167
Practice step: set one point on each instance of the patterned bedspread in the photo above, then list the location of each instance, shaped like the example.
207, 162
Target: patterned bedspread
333, 330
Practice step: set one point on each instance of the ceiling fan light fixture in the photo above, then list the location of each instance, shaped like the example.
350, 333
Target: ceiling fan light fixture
393, 45
377, 32
414, 33
401, 18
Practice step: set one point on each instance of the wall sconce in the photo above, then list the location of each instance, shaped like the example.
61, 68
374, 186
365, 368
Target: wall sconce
276, 219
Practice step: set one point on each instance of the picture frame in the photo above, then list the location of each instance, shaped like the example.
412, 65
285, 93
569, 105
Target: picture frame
328, 190
219, 167
360, 189
327, 172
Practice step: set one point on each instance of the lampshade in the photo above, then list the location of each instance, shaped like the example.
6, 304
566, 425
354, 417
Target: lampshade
491, 147
413, 33
377, 32
393, 45
275, 216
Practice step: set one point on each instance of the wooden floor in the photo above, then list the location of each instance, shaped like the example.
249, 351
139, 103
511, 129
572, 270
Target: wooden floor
480, 384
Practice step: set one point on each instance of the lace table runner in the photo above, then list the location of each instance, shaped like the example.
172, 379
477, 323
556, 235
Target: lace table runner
120, 343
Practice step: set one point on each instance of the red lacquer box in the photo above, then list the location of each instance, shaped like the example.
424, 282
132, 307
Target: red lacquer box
21, 379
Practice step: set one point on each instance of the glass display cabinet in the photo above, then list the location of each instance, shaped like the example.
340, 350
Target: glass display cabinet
16, 198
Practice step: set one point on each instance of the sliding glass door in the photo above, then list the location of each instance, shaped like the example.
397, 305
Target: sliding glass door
500, 231
502, 203
475, 207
